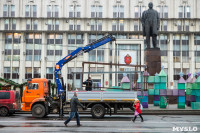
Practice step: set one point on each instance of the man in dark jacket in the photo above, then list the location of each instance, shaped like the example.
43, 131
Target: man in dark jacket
88, 84
74, 110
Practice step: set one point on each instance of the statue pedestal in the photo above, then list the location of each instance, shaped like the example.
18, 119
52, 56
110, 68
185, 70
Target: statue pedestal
152, 60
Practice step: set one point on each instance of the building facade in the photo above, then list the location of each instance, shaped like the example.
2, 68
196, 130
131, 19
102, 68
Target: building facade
36, 34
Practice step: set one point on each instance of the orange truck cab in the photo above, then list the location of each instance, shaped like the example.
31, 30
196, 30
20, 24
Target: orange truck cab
35, 97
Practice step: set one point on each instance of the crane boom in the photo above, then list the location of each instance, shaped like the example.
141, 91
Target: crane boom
76, 53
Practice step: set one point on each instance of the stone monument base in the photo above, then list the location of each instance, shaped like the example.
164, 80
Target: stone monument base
152, 60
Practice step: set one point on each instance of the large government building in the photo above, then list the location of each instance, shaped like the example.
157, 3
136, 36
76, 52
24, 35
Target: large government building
36, 34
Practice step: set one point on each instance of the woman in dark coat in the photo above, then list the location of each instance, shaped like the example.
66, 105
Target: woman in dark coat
137, 110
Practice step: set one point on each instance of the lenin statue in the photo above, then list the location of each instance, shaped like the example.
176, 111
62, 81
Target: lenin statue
150, 23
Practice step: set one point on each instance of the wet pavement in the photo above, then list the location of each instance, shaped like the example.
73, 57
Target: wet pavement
25, 123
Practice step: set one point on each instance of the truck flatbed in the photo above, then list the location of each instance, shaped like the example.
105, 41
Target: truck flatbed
103, 96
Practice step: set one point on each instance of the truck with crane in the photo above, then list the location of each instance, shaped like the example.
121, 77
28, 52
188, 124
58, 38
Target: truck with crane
37, 97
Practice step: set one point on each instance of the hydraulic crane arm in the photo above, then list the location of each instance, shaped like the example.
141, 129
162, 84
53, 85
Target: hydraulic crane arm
76, 53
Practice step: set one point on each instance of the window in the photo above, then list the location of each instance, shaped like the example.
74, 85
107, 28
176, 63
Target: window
197, 48
118, 11
121, 25
8, 47
96, 11
8, 10
114, 25
28, 72
35, 86
36, 72
54, 47
96, 25
165, 11
49, 73
15, 73
57, 25
31, 11
185, 48
77, 76
176, 48
176, 73
180, 11
179, 25
75, 11
5, 10
118, 25
187, 25
53, 24
10, 24
12, 10
136, 11
31, 24
164, 25
33, 47
74, 41
185, 72
96, 55
6, 24
13, 24
52, 11
184, 12
187, 13
136, 26
7, 72
162, 11
75, 25
163, 47
12, 46
139, 10
4, 95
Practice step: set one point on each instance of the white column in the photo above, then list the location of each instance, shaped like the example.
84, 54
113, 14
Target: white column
85, 57
106, 67
191, 54
64, 53
142, 54
22, 58
43, 56
113, 61
170, 60
2, 53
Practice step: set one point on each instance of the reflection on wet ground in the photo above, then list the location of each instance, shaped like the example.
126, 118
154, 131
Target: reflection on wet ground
24, 123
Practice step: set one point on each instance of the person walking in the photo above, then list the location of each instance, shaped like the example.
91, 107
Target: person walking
137, 110
74, 110
88, 84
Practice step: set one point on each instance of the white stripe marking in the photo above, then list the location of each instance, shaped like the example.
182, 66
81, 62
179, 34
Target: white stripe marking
94, 121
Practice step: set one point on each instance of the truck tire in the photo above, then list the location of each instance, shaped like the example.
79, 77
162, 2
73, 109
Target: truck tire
38, 111
3, 111
98, 111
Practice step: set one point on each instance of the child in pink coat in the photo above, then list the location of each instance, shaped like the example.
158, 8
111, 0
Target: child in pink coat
136, 105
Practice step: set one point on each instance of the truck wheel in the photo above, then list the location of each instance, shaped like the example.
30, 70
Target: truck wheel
3, 111
38, 111
98, 111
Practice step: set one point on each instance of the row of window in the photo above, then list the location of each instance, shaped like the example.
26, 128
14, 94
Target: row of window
55, 45
35, 72
96, 11
95, 25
